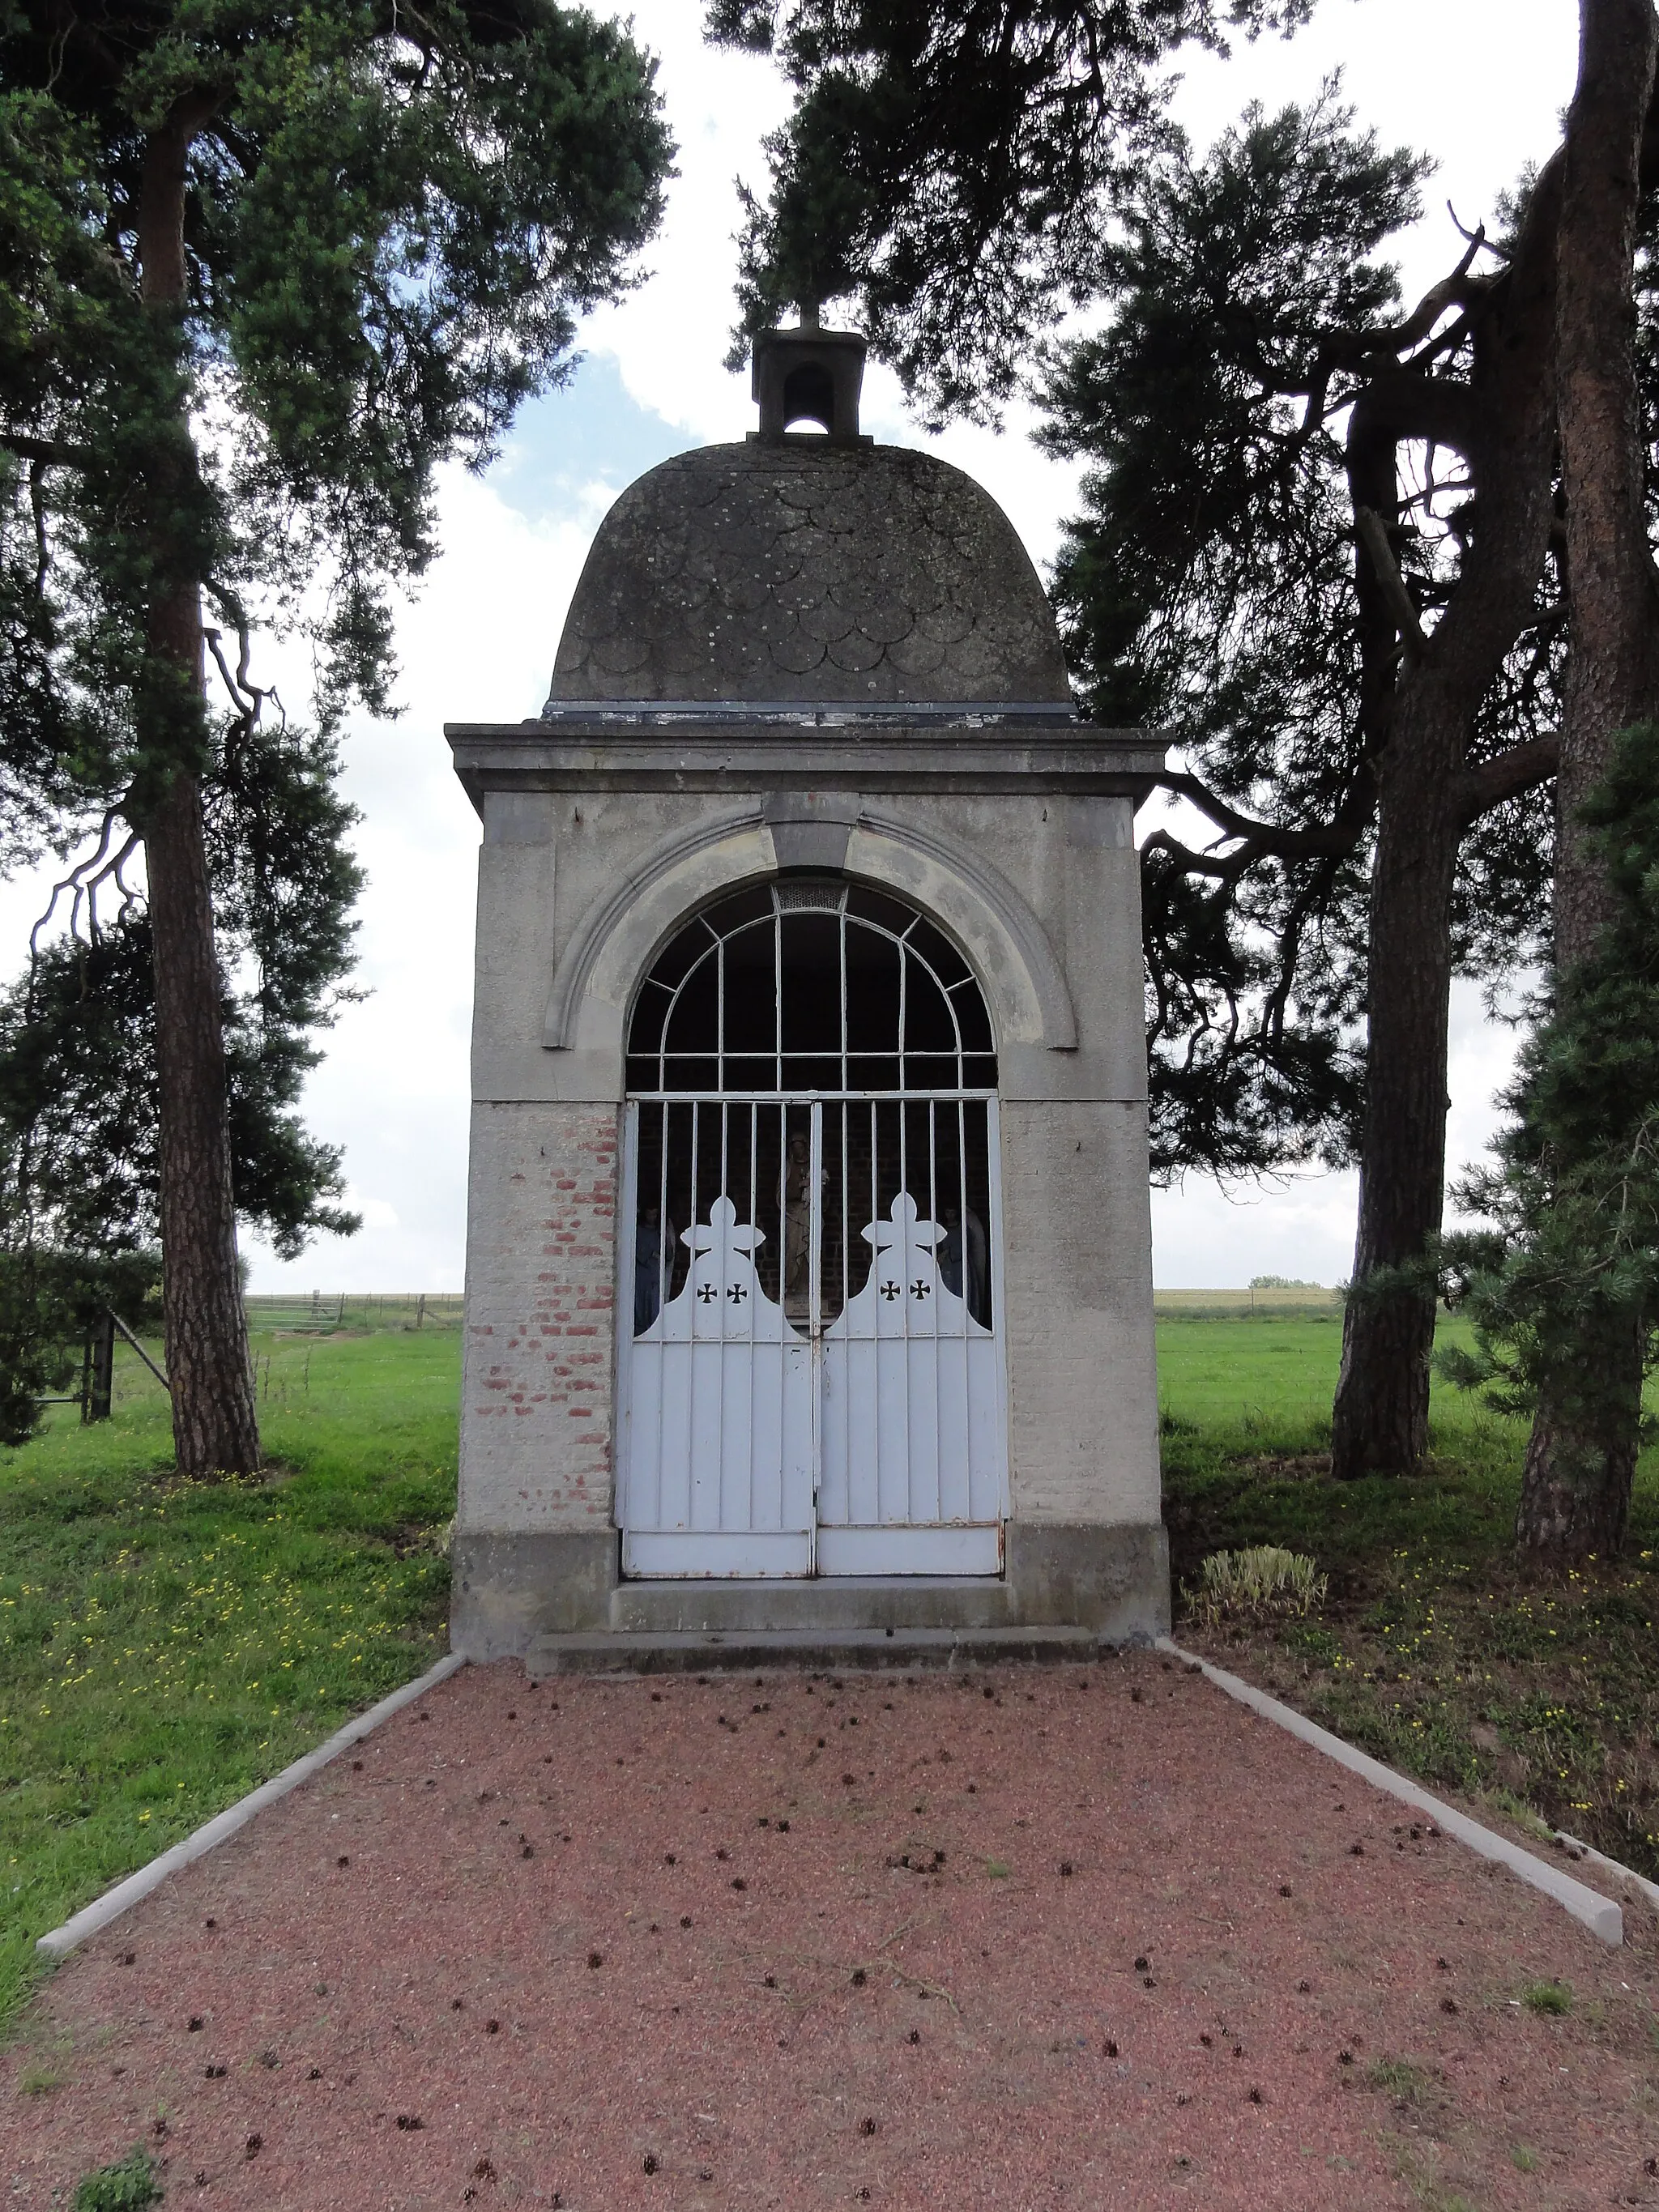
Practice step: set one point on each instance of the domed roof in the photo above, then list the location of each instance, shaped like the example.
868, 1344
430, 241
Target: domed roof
803, 567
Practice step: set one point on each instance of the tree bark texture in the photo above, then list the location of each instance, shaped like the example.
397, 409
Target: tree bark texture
1575, 1483
1425, 803
215, 1425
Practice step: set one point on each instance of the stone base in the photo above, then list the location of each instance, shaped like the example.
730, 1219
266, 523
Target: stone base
506, 1590
1112, 1580
827, 1649
1111, 1576
831, 1603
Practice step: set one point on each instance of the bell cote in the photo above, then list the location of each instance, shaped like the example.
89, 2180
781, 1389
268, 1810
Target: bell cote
809, 375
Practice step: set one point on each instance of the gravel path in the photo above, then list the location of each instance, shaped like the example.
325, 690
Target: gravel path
1034, 1938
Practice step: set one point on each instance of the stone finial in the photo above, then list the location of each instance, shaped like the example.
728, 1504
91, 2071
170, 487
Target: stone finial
809, 375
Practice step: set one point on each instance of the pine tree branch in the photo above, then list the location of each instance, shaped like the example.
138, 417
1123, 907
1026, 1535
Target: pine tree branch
1523, 768
46, 452
1335, 840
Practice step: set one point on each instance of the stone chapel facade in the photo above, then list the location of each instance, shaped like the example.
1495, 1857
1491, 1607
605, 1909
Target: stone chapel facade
809, 1269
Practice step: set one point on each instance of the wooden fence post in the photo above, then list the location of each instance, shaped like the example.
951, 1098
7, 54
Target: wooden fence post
99, 1369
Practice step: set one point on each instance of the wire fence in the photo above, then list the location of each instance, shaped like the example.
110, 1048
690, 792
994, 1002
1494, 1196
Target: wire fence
326, 1313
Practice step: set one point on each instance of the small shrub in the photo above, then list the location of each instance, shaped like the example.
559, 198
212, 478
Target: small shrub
36, 2079
1524, 2161
1552, 1999
1260, 1582
129, 2186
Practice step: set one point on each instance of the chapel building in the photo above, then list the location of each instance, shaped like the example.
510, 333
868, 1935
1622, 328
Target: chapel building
809, 1277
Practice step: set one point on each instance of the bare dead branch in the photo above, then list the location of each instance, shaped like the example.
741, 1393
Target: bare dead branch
38, 507
1452, 291
82, 885
244, 696
1374, 537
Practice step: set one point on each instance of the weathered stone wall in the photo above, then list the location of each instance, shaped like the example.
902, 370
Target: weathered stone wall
536, 1436
538, 1417
552, 860
1077, 1265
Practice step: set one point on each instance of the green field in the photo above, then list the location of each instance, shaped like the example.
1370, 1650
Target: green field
164, 1646
1433, 1651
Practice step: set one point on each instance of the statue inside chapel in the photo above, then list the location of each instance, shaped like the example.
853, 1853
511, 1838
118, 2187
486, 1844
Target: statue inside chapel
795, 1197
654, 1264
977, 1295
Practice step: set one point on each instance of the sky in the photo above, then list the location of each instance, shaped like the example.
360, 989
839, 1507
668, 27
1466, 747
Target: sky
1479, 84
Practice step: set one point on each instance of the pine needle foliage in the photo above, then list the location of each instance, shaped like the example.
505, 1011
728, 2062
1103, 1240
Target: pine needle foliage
1570, 1263
261, 273
945, 164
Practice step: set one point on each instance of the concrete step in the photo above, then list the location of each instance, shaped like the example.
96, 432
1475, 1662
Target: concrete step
671, 1652
711, 1606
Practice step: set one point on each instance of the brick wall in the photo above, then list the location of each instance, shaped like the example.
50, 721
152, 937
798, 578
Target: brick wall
537, 1403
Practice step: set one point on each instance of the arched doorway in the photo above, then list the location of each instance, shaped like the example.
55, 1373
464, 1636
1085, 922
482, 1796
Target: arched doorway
811, 1361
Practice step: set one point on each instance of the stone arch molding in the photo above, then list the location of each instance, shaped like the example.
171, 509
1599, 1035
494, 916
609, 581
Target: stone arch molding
1024, 984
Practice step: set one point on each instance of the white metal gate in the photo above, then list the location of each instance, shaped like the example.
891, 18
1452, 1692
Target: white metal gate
811, 1363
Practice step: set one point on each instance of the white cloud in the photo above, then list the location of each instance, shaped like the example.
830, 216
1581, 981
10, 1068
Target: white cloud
479, 643
482, 640
478, 646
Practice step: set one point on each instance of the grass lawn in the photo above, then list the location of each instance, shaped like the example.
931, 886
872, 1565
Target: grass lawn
1433, 1651
166, 1646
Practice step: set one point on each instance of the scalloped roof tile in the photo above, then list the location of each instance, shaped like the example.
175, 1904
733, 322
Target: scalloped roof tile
809, 571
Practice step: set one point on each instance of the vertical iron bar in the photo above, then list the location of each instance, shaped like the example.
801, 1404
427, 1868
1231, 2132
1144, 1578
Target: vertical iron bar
938, 1339
754, 1301
814, 1218
842, 920
845, 1232
968, 1439
876, 1339
786, 1328
777, 1021
719, 1423
903, 1011
693, 1363
664, 1136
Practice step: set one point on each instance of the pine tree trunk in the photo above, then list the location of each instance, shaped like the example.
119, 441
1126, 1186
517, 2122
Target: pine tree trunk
1576, 1480
1379, 1421
1575, 1495
215, 1427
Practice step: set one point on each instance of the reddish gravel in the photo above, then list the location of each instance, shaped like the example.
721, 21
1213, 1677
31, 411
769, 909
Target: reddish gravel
796, 1943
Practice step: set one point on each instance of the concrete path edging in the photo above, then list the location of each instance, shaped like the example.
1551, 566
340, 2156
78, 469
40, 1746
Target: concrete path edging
1616, 1868
114, 1902
1599, 1914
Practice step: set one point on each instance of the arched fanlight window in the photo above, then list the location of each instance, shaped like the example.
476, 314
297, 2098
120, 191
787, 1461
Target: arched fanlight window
801, 986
